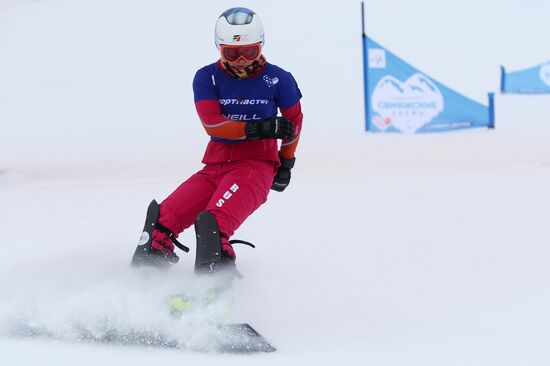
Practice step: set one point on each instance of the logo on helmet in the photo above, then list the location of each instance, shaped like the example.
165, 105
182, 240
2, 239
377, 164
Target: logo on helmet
240, 37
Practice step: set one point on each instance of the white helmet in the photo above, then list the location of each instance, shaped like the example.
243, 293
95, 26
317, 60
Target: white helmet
239, 26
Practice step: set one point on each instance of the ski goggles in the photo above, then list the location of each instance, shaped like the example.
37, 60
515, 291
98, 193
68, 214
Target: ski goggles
249, 52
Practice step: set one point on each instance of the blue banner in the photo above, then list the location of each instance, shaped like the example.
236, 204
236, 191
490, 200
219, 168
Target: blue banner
535, 80
399, 98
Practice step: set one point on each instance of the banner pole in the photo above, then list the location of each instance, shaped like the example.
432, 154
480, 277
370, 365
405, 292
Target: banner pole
502, 80
491, 110
365, 66
363, 17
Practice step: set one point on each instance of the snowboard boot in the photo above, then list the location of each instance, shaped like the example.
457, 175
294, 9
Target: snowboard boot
156, 244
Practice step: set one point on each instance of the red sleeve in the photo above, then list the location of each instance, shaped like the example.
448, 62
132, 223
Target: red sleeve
216, 124
294, 114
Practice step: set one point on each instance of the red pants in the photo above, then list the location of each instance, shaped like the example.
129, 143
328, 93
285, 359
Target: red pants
230, 191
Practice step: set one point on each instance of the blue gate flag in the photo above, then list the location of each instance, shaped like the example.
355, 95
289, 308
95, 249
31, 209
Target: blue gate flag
535, 80
400, 98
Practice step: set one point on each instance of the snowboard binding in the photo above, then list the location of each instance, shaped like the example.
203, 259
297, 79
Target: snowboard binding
145, 254
210, 258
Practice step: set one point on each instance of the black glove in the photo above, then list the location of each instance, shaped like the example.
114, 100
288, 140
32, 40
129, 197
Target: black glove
282, 178
273, 128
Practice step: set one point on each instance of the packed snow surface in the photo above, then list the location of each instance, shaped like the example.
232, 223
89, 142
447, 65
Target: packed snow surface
384, 250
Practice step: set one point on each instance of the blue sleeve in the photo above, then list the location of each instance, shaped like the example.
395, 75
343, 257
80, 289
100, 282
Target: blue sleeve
203, 86
288, 93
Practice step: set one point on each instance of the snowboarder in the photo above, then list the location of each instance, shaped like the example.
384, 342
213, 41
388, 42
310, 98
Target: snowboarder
237, 99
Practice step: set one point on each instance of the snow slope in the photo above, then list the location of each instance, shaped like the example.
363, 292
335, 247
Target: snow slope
385, 250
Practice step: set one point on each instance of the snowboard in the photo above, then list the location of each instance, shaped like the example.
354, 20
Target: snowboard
193, 320
217, 338
229, 338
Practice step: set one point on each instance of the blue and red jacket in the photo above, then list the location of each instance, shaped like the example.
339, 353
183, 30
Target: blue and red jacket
226, 104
